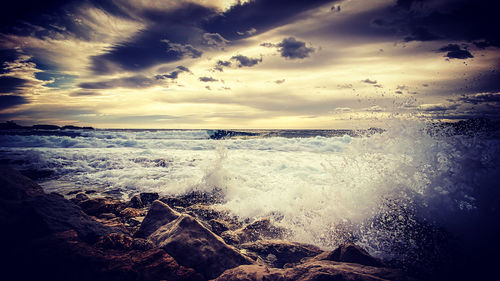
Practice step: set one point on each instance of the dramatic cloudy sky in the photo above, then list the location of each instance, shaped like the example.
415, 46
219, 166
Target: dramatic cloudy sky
247, 64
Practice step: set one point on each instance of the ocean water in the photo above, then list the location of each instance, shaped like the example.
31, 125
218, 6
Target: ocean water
408, 194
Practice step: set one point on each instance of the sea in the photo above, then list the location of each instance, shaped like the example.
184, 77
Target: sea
413, 194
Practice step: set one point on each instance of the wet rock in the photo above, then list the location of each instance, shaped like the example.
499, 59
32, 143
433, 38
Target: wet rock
193, 245
15, 186
354, 254
55, 214
148, 197
135, 221
194, 197
315, 270
142, 244
96, 206
218, 226
115, 241
107, 216
80, 197
258, 230
130, 213
73, 192
65, 257
278, 253
205, 212
158, 215
26, 212
36, 174
136, 202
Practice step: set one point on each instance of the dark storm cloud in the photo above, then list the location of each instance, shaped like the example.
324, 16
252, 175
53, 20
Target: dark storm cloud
221, 64
246, 61
481, 98
453, 51
207, 79
170, 36
260, 15
438, 107
133, 82
7, 101
145, 51
293, 49
281, 81
368, 81
214, 39
9, 84
447, 19
421, 34
174, 74
6, 56
84, 94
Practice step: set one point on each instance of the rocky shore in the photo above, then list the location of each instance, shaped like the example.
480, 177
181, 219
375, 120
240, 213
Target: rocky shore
49, 237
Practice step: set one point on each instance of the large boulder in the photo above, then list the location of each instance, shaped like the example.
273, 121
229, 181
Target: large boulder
56, 214
158, 215
26, 212
195, 246
63, 256
280, 253
15, 186
354, 254
313, 270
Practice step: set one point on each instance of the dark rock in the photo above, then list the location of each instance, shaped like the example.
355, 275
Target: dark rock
193, 245
26, 212
15, 186
315, 270
278, 253
148, 197
58, 214
74, 192
80, 197
96, 206
206, 212
35, 174
258, 230
64, 257
131, 213
90, 191
218, 226
142, 244
107, 216
158, 215
136, 202
194, 197
353, 253
115, 241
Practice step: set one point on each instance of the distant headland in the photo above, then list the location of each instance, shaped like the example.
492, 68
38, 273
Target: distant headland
11, 125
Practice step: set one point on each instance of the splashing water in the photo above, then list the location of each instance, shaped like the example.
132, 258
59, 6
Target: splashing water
404, 194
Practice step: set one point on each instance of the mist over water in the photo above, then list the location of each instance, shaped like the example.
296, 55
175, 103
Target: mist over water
409, 195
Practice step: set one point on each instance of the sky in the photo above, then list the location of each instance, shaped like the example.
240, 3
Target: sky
248, 64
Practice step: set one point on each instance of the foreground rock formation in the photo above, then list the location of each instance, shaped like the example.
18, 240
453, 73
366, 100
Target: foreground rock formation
48, 237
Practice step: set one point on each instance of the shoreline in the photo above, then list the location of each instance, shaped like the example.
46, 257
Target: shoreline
138, 238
